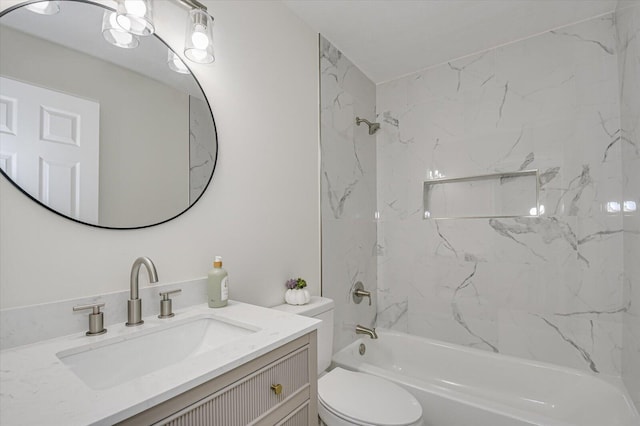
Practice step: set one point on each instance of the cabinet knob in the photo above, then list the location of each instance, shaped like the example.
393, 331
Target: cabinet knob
277, 389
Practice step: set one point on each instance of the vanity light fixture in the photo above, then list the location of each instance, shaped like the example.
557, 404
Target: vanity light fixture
135, 16
175, 63
114, 34
198, 44
44, 7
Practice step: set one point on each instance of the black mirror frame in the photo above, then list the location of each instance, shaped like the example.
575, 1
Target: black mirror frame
215, 130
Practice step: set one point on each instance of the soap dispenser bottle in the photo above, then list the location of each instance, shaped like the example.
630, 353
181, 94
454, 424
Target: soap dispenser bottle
218, 285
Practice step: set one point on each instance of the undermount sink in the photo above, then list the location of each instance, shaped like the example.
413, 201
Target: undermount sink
111, 362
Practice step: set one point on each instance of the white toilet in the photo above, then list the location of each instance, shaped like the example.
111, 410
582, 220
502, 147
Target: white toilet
347, 398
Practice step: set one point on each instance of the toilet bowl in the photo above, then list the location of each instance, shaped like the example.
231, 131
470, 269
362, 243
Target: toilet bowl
348, 398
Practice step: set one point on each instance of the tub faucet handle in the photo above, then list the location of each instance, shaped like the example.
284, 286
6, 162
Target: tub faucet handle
359, 292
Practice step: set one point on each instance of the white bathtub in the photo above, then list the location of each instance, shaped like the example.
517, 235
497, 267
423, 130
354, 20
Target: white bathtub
461, 386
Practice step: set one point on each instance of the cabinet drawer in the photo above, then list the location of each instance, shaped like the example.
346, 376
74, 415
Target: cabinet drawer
300, 417
247, 400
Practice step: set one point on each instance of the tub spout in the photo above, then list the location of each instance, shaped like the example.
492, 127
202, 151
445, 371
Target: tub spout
371, 332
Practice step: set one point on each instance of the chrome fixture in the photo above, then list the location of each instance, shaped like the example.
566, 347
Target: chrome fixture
134, 304
165, 304
96, 319
359, 292
44, 7
371, 332
373, 127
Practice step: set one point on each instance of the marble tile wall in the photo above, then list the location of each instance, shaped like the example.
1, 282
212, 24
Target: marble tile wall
548, 288
348, 190
628, 31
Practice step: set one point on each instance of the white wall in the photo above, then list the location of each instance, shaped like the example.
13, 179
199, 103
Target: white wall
261, 210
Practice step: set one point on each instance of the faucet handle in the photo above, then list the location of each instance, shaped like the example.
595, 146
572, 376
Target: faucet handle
359, 292
165, 303
96, 319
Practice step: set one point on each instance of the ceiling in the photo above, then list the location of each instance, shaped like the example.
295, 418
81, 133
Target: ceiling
387, 39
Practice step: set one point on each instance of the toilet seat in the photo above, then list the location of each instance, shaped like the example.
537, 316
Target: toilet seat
364, 399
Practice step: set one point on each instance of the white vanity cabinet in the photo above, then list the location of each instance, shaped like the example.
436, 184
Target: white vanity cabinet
278, 388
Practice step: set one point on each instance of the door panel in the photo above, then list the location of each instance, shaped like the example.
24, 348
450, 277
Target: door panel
49, 145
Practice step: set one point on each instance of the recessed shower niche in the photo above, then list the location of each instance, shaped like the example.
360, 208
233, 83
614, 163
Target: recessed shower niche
508, 194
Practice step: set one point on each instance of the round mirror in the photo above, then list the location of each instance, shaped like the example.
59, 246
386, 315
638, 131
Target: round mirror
101, 126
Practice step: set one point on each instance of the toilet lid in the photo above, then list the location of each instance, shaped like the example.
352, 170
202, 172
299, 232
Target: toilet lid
368, 399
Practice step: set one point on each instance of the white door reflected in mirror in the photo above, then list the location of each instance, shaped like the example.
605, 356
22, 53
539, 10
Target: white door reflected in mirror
50, 143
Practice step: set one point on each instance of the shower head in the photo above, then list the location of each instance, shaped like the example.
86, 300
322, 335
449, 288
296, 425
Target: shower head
373, 127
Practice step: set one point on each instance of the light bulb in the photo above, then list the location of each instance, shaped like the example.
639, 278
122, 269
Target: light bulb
199, 37
124, 22
114, 34
135, 16
135, 7
112, 20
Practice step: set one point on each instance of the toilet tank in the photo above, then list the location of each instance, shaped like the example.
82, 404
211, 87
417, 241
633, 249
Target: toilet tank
319, 308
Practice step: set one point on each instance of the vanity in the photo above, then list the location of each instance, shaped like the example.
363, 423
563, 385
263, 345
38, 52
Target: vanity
239, 365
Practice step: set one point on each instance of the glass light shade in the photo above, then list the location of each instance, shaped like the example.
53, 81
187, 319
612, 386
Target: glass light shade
175, 63
135, 16
198, 43
114, 34
44, 7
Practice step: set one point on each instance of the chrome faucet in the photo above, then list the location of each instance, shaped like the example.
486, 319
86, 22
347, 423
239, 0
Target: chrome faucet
134, 305
371, 332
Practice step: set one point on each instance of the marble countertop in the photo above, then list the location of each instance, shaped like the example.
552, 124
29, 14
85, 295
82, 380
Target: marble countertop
37, 388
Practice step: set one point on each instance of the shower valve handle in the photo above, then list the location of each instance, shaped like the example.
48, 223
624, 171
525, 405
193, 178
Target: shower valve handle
359, 292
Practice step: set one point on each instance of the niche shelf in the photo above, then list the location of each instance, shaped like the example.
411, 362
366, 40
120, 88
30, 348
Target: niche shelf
497, 195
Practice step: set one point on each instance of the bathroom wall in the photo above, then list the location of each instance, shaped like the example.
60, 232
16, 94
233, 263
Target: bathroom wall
261, 210
348, 176
628, 26
548, 288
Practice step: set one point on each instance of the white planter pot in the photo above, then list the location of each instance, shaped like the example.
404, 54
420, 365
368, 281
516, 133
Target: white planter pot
297, 296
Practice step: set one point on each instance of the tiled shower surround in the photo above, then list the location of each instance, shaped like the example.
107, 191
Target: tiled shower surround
548, 288
628, 26
348, 190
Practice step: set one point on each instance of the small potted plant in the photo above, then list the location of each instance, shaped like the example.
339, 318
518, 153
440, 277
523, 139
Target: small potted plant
296, 293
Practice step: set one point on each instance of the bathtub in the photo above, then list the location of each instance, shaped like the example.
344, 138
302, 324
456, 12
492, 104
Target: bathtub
461, 386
